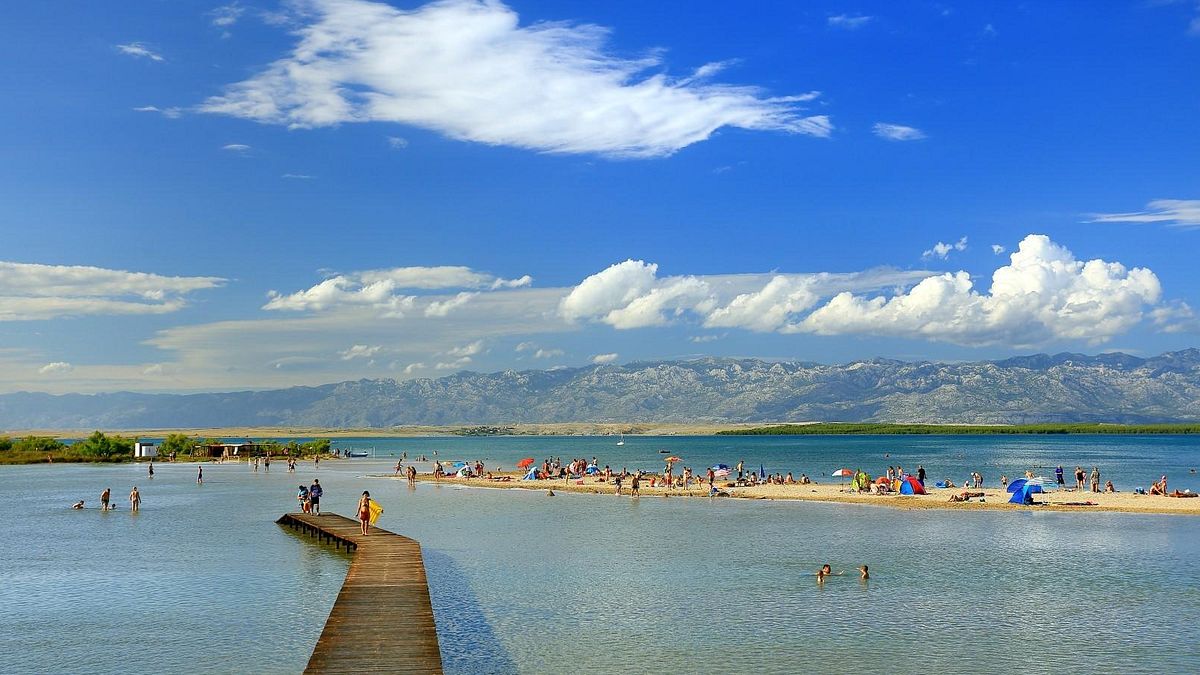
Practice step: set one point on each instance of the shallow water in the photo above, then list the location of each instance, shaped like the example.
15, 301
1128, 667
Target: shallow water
204, 581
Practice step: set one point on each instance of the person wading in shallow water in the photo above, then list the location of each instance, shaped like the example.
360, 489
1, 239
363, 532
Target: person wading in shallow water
135, 500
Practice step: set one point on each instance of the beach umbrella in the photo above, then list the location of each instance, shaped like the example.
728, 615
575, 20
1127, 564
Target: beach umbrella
842, 473
528, 461
673, 458
721, 473
719, 467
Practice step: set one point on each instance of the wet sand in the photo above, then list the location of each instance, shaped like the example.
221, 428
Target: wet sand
994, 498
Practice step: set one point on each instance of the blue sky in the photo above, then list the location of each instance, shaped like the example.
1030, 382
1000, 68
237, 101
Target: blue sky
208, 196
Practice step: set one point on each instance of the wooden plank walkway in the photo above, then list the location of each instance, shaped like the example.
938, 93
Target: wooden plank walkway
382, 621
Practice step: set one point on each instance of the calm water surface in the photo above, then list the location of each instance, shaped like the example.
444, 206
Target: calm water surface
204, 581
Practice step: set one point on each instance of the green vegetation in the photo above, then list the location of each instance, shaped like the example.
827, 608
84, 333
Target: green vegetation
856, 428
42, 449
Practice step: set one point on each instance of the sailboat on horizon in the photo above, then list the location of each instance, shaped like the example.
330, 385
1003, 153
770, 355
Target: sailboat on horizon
622, 441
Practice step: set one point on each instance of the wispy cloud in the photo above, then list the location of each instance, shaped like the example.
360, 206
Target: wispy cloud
360, 352
942, 250
549, 86
170, 113
226, 16
897, 132
297, 176
998, 249
548, 353
397, 143
848, 21
385, 290
139, 50
600, 359
1183, 213
235, 147
33, 292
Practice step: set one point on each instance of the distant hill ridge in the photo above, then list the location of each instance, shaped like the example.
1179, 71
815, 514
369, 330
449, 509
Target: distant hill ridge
1063, 387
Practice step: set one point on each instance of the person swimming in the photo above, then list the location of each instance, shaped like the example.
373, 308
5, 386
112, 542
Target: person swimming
77, 505
865, 574
827, 571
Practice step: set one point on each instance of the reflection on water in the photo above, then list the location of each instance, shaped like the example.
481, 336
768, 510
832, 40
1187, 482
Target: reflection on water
204, 581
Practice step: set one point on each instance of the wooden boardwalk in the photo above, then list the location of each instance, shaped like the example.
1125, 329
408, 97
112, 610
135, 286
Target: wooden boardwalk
382, 621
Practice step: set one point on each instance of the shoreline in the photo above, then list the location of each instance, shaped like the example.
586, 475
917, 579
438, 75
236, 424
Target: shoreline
996, 499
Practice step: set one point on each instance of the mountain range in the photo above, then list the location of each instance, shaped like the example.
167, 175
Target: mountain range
1111, 387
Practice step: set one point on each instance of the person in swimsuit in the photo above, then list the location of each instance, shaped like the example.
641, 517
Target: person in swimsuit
104, 499
199, 475
364, 511
865, 574
78, 505
135, 499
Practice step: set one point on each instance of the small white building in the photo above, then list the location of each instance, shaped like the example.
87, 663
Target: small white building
144, 450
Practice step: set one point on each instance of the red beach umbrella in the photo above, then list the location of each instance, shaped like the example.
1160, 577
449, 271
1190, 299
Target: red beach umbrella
842, 473
525, 463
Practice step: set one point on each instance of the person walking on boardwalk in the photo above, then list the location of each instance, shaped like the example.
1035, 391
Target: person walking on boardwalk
364, 511
314, 495
135, 500
104, 499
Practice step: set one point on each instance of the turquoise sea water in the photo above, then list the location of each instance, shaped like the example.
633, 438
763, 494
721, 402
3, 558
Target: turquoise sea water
204, 581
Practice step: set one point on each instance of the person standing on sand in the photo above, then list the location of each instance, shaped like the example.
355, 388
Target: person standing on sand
712, 476
635, 484
104, 499
1079, 477
740, 464
921, 474
135, 500
1058, 476
1095, 479
314, 495
364, 511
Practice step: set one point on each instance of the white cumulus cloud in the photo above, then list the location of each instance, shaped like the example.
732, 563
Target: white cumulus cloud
547, 353
55, 368
467, 350
444, 307
1044, 294
998, 249
943, 250
1182, 213
468, 69
31, 291
600, 359
897, 132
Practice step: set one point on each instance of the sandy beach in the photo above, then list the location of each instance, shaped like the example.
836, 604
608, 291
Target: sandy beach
994, 498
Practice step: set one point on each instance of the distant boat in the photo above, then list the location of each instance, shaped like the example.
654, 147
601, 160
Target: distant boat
357, 453
622, 441
663, 452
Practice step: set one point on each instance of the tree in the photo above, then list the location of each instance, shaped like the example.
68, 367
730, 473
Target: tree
6, 444
38, 444
100, 445
180, 444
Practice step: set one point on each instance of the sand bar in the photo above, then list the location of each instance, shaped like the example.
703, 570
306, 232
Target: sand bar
995, 498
